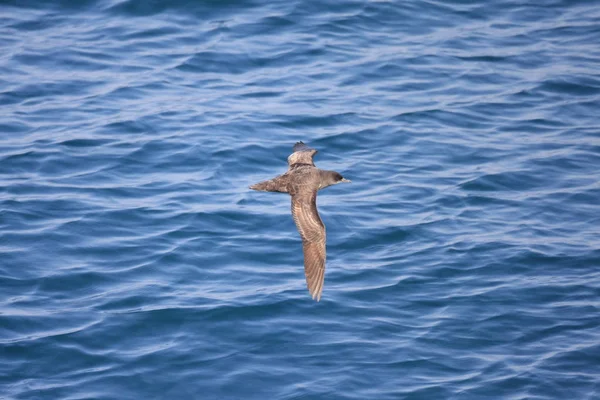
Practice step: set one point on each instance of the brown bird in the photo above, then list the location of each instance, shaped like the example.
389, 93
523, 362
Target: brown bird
302, 181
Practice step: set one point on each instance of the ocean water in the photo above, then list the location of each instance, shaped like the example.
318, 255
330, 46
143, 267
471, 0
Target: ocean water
463, 260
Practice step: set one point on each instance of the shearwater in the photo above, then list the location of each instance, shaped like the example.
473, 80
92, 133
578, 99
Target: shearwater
302, 181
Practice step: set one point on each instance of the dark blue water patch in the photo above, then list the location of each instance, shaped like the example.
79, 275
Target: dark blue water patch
262, 94
31, 20
571, 87
206, 10
515, 180
266, 26
63, 5
85, 143
30, 94
123, 127
216, 62
318, 121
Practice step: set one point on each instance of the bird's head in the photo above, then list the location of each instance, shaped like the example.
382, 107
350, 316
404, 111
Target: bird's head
329, 178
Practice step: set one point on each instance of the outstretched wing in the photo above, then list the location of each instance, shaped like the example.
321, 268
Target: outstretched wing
302, 155
312, 232
277, 184
301, 146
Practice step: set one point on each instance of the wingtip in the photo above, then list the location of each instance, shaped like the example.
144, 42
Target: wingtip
316, 296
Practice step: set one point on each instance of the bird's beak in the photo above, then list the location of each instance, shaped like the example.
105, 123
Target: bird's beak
346, 180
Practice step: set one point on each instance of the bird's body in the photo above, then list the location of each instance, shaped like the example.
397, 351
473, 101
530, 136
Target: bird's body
302, 181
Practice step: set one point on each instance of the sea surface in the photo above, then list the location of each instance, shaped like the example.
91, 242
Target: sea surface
463, 262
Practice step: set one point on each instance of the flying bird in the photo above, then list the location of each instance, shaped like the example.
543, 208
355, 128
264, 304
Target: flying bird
302, 181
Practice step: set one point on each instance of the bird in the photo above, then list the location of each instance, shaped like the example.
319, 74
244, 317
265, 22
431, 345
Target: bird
302, 181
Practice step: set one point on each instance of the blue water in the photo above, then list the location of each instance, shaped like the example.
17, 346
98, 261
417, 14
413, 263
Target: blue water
463, 260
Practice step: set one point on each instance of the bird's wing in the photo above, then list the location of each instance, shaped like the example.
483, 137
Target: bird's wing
302, 155
312, 232
277, 184
301, 146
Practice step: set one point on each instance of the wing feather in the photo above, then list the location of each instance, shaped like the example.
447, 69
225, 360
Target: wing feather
312, 232
302, 154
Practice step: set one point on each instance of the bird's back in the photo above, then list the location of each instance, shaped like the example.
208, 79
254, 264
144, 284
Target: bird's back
303, 180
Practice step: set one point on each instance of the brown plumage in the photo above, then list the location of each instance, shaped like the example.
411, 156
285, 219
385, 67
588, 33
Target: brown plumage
302, 181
